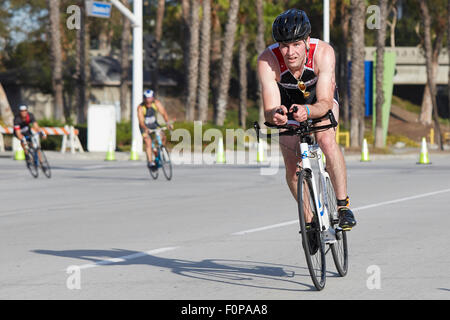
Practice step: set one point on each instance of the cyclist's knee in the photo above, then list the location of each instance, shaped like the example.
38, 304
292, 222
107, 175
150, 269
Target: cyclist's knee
327, 141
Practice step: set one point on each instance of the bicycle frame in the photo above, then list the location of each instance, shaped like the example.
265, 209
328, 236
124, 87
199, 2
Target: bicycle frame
308, 152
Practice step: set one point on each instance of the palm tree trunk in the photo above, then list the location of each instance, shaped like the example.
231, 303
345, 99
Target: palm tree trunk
426, 20
194, 27
57, 80
357, 77
216, 48
225, 67
448, 54
158, 36
82, 57
344, 74
243, 77
260, 46
125, 105
379, 101
203, 85
5, 110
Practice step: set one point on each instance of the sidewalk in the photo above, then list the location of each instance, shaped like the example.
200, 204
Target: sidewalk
233, 158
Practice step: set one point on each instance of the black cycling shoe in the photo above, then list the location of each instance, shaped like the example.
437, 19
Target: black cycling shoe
346, 219
151, 165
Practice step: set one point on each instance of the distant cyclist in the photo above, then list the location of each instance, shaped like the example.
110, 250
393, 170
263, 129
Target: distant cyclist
23, 123
147, 112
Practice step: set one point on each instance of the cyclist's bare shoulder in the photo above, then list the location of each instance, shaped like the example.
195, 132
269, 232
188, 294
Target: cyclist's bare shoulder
268, 68
324, 58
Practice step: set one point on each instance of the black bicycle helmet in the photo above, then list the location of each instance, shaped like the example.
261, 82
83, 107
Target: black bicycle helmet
291, 26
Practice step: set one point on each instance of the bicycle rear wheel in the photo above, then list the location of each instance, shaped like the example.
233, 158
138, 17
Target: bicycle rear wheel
339, 249
166, 164
32, 162
45, 166
313, 246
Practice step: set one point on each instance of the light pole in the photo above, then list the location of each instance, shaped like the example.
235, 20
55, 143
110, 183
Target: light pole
138, 74
326, 20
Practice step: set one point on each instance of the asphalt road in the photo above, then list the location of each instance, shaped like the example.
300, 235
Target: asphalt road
100, 230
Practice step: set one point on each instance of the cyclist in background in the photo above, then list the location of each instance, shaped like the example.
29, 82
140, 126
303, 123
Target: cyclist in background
23, 123
147, 112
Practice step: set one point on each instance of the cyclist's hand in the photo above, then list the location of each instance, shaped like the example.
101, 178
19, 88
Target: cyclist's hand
279, 116
301, 114
43, 135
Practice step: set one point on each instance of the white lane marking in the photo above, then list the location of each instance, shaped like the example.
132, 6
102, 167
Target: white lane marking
287, 223
126, 258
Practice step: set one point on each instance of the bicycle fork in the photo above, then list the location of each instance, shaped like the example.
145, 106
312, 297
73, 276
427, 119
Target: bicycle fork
312, 151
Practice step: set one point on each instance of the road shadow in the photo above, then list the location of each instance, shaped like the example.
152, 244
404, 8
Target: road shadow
231, 272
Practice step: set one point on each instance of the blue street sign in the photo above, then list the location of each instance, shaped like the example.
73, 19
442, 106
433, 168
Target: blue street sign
98, 9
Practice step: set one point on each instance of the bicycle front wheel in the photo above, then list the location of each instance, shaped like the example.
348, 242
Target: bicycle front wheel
313, 246
166, 164
45, 166
339, 248
32, 162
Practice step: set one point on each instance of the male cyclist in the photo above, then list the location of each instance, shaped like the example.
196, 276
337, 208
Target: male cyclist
23, 123
147, 112
299, 71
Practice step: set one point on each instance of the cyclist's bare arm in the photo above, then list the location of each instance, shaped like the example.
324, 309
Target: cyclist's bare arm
267, 73
163, 112
326, 83
141, 120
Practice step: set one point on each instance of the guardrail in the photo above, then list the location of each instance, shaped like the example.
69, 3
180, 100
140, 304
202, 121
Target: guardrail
69, 134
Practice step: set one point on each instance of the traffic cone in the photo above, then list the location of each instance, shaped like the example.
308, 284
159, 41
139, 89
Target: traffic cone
365, 152
134, 155
424, 159
220, 153
19, 153
110, 155
260, 156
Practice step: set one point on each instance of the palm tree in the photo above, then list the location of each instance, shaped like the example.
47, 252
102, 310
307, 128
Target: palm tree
426, 20
194, 27
55, 36
158, 36
203, 85
225, 66
260, 46
243, 74
5, 109
357, 77
448, 54
381, 39
125, 66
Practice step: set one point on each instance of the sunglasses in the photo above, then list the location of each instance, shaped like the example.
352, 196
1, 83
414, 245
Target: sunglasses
302, 87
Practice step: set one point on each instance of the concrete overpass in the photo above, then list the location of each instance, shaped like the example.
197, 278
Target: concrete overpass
411, 69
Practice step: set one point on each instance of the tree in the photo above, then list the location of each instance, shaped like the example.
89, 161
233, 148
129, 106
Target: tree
194, 27
379, 101
57, 80
357, 77
243, 75
438, 21
158, 36
392, 24
124, 67
226, 62
426, 20
205, 48
260, 46
448, 54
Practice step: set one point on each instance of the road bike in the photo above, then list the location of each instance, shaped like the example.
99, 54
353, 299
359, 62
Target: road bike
161, 154
317, 204
35, 157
